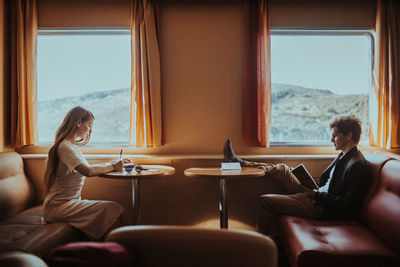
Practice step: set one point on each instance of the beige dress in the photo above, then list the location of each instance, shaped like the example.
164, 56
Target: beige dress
63, 201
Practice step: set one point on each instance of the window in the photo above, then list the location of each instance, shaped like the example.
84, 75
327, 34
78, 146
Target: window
87, 68
317, 76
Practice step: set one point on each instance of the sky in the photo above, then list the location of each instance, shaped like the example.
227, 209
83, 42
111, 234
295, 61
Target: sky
75, 64
71, 65
338, 63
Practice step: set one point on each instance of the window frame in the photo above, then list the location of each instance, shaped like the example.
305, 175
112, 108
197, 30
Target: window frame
280, 31
86, 31
274, 31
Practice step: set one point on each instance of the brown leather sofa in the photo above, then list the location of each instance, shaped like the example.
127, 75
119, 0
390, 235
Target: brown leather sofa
20, 212
375, 241
189, 246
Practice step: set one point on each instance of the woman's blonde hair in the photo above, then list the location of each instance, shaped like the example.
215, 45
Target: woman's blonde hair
68, 126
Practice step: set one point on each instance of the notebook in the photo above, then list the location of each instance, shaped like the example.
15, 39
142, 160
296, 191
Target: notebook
304, 177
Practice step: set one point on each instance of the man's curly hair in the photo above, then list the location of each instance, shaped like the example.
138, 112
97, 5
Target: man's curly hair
348, 124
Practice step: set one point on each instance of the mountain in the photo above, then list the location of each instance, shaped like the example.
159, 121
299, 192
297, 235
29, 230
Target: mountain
110, 108
298, 113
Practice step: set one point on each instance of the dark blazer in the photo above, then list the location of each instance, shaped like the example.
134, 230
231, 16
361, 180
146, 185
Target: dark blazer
348, 187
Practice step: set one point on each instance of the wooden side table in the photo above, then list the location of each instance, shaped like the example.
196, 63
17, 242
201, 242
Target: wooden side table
223, 176
135, 177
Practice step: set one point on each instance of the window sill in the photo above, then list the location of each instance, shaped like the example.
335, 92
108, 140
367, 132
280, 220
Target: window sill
100, 152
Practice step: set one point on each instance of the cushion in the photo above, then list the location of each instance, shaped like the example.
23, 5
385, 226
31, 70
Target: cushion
28, 216
89, 254
25, 232
333, 243
17, 227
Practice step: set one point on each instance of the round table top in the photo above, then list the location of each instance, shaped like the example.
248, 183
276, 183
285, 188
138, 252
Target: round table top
246, 172
159, 170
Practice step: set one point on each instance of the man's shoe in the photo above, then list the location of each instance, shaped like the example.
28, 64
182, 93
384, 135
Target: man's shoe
229, 154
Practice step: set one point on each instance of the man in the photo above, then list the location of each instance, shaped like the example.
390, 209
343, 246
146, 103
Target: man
343, 185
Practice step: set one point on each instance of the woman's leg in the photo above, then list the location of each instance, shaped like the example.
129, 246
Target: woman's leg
117, 223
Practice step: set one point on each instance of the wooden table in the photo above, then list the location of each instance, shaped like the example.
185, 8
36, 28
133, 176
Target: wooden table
135, 177
223, 176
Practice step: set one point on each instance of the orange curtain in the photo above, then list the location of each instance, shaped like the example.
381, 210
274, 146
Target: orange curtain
23, 72
385, 118
257, 81
146, 121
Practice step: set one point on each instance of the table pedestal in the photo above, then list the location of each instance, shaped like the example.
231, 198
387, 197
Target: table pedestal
223, 204
135, 202
154, 171
223, 176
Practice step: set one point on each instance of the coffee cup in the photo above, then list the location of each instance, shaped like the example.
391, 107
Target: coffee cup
128, 167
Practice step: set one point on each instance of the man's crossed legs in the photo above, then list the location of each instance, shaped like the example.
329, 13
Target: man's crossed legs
294, 201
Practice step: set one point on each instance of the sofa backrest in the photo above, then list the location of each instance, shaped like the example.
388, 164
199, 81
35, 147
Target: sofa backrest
191, 246
382, 207
16, 191
376, 161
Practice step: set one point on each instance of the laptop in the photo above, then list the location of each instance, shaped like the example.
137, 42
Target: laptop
304, 177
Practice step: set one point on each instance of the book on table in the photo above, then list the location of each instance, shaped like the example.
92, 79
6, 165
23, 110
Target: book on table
304, 177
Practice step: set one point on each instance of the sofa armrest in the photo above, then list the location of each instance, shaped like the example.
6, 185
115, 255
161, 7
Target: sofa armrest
20, 259
16, 190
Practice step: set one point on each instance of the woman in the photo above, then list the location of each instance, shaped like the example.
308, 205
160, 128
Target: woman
65, 174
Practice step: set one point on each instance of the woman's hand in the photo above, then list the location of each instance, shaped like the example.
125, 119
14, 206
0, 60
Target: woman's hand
126, 160
118, 165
